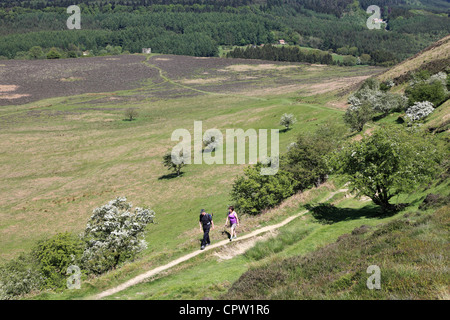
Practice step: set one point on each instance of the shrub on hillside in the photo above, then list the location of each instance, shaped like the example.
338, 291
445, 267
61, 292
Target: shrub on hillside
305, 160
19, 277
370, 83
114, 234
55, 255
419, 110
254, 192
387, 85
357, 115
389, 162
378, 101
433, 90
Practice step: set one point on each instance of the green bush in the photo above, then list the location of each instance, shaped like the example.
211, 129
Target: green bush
434, 92
357, 116
36, 52
72, 54
19, 277
53, 54
349, 61
55, 255
305, 158
389, 162
254, 192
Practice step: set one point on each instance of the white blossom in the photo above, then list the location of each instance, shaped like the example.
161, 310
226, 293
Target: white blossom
419, 110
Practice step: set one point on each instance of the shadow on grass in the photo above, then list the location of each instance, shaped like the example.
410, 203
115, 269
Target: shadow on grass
379, 117
327, 213
285, 130
170, 176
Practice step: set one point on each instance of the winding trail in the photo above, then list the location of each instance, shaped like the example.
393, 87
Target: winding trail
173, 263
175, 83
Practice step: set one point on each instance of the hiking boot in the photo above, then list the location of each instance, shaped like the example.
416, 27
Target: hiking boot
202, 247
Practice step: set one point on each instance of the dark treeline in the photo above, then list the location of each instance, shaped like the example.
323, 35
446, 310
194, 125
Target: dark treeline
170, 32
290, 54
132, 4
199, 27
334, 7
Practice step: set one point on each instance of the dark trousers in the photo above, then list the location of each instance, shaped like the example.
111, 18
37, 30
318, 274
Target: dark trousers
205, 239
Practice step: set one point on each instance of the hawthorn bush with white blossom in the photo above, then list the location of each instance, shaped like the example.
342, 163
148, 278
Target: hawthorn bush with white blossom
370, 100
288, 120
379, 101
419, 111
114, 234
211, 140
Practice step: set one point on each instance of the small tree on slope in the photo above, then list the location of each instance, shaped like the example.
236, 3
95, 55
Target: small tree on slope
114, 234
390, 162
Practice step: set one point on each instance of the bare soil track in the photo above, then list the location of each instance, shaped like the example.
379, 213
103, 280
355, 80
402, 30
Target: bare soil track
173, 263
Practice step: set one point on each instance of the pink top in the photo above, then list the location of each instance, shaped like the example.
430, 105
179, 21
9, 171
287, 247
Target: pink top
232, 217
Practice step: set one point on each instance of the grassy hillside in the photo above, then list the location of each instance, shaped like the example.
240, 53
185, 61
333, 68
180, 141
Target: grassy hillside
411, 252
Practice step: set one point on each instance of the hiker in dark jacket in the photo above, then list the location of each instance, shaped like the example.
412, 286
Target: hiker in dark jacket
205, 222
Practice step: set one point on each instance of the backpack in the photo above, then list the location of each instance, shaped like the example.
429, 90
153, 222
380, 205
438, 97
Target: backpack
209, 219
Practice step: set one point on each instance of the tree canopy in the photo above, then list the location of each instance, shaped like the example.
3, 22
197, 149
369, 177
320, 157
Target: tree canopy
390, 161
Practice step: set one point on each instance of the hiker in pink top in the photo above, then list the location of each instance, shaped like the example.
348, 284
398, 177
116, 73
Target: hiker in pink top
234, 221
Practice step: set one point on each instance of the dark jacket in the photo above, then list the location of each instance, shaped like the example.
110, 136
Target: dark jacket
206, 220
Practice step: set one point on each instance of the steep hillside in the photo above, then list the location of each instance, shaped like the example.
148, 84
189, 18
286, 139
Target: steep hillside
410, 251
434, 58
